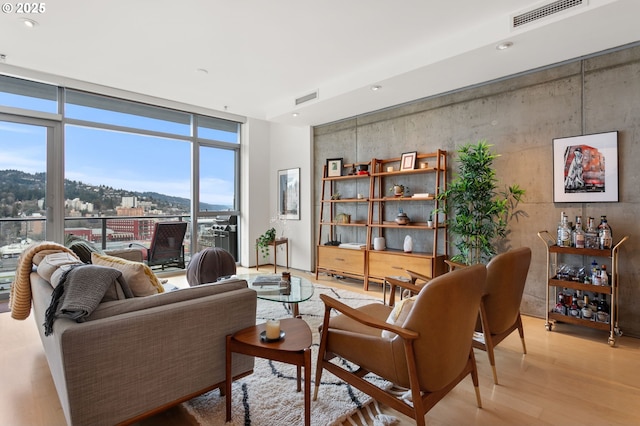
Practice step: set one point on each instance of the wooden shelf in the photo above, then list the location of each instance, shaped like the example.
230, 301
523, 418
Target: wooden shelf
375, 264
603, 289
604, 326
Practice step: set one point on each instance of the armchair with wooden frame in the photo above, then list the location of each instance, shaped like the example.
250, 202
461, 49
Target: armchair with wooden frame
500, 306
167, 245
430, 353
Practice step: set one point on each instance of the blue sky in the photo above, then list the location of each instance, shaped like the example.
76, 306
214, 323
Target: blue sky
119, 159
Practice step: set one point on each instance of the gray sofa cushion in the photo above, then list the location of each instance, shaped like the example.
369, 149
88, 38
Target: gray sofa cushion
108, 309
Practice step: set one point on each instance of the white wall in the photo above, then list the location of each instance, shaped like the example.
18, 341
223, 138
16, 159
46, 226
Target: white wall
291, 148
267, 148
254, 187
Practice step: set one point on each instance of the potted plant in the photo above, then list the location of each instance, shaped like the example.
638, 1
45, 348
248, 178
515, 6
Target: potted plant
264, 240
478, 214
398, 190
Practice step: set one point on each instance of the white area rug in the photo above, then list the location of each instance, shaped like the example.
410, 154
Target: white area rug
269, 397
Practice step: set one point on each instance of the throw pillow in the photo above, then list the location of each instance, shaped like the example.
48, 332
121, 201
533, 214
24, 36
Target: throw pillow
37, 258
139, 277
83, 250
53, 261
399, 314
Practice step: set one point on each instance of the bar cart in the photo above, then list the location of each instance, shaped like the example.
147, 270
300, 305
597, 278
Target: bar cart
557, 283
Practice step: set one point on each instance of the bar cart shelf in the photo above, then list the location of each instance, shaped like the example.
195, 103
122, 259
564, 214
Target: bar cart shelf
554, 252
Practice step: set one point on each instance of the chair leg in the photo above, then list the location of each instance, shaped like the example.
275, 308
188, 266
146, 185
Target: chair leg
474, 377
521, 332
322, 349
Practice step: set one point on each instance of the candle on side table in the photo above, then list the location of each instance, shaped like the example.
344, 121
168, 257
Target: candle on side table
273, 329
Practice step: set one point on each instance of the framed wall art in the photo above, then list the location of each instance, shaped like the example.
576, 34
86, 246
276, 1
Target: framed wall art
585, 168
408, 161
289, 194
334, 167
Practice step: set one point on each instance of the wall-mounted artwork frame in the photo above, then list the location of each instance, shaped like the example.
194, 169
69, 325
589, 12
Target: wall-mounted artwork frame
334, 167
289, 194
408, 160
585, 168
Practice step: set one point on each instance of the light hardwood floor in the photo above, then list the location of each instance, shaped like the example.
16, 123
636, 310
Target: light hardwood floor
569, 375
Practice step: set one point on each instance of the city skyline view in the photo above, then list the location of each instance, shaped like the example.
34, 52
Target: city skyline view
124, 160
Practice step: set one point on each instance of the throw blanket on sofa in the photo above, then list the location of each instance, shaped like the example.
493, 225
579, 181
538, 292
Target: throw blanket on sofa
80, 291
20, 296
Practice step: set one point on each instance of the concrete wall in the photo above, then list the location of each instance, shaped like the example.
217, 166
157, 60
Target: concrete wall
521, 116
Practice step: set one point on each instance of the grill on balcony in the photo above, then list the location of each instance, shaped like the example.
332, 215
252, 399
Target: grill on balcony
225, 234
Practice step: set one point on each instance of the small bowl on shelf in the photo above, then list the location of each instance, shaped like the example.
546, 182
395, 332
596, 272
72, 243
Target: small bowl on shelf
402, 219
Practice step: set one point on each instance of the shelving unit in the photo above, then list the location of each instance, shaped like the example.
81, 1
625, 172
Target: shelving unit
555, 284
372, 216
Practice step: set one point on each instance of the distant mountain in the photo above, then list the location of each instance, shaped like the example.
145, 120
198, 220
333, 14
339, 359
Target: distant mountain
19, 186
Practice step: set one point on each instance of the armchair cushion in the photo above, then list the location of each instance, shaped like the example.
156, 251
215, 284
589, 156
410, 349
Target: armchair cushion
139, 277
399, 313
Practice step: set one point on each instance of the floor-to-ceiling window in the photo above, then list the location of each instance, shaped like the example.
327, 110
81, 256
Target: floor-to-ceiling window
113, 160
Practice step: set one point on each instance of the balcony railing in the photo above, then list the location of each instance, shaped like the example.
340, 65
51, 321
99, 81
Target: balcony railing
106, 232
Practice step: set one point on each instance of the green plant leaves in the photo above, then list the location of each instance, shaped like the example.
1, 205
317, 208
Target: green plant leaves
478, 213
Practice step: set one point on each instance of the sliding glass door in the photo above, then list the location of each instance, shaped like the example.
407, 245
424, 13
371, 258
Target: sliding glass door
27, 187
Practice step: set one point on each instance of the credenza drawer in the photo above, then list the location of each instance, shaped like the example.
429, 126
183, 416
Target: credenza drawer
337, 259
384, 264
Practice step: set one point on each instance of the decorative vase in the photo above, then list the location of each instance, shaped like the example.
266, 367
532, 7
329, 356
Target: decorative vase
398, 190
402, 219
379, 243
408, 244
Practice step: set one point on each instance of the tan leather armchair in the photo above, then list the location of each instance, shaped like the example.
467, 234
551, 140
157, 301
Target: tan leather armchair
430, 353
500, 306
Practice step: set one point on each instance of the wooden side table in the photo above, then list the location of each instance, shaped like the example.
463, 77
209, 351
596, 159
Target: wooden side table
294, 348
275, 243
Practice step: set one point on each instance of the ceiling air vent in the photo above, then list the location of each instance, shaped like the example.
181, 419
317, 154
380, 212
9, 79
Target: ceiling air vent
307, 98
544, 11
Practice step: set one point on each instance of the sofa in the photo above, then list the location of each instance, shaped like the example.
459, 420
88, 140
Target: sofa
135, 357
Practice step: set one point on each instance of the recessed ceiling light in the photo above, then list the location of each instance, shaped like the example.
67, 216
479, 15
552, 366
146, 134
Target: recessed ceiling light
376, 88
295, 114
29, 22
504, 46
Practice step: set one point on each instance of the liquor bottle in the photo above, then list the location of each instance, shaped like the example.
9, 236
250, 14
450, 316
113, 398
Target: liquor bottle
591, 235
603, 309
578, 234
564, 232
605, 235
561, 308
595, 273
560, 238
604, 277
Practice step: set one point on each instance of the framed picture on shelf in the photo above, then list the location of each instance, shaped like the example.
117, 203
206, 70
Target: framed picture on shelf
289, 194
408, 161
585, 168
334, 167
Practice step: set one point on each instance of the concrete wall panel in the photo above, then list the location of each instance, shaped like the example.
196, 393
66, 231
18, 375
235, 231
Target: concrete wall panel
521, 116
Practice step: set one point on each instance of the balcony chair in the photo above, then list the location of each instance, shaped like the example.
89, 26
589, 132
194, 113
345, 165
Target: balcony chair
500, 306
429, 353
166, 247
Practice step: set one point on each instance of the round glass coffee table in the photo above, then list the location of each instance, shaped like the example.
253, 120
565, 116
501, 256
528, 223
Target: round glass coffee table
268, 288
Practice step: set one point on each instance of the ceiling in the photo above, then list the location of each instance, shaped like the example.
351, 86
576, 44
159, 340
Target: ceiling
256, 57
